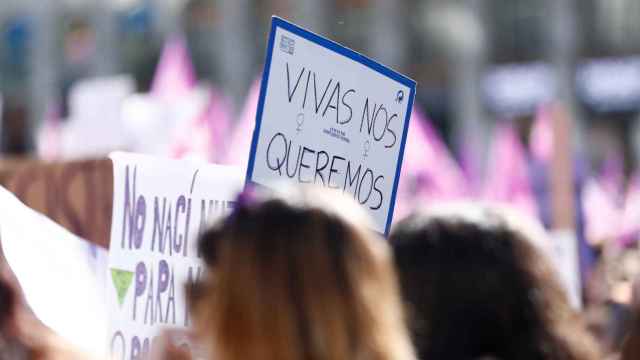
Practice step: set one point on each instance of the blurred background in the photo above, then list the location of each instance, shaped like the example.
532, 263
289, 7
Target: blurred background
477, 62
80, 78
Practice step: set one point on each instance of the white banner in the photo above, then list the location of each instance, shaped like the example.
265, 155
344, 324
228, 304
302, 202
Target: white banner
159, 209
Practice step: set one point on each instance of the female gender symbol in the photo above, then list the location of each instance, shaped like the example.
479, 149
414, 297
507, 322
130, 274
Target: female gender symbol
299, 121
367, 146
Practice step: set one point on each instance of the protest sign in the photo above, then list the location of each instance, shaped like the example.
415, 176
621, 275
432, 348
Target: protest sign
330, 116
159, 209
75, 194
95, 106
61, 276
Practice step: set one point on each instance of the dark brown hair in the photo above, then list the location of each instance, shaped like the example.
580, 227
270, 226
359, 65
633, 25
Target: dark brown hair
477, 287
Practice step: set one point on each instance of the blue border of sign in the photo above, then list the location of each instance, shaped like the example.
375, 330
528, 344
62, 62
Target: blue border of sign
276, 23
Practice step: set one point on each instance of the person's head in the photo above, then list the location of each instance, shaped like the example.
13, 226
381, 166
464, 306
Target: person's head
476, 286
297, 275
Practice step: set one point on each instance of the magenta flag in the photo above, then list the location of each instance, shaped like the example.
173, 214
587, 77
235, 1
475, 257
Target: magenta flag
630, 223
219, 119
205, 137
174, 74
429, 172
602, 216
612, 175
603, 202
541, 136
507, 179
240, 145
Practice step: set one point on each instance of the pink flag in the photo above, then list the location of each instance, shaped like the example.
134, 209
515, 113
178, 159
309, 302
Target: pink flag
205, 137
541, 136
630, 223
219, 119
602, 216
240, 145
471, 165
174, 75
612, 175
507, 178
429, 172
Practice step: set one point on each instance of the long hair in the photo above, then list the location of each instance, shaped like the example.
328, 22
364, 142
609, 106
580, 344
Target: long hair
631, 343
295, 276
476, 286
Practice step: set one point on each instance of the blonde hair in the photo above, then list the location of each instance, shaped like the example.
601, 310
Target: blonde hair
295, 276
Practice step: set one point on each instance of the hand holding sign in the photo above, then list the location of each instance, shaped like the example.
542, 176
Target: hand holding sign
355, 120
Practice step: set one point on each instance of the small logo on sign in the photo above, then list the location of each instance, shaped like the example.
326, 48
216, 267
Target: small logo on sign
299, 121
287, 44
399, 96
367, 147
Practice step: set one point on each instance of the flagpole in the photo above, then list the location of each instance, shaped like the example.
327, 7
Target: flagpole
563, 44
562, 53
567, 135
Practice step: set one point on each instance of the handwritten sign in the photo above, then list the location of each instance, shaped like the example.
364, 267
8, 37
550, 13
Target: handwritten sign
330, 116
75, 194
159, 209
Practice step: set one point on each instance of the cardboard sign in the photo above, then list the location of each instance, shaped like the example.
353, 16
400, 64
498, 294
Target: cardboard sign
330, 116
75, 194
159, 209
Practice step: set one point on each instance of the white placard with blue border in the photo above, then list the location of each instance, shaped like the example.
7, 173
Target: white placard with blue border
330, 116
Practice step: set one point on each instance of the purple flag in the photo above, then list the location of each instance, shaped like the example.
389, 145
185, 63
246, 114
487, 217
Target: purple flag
174, 74
612, 175
507, 178
602, 216
219, 119
630, 223
240, 145
429, 172
603, 202
205, 137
